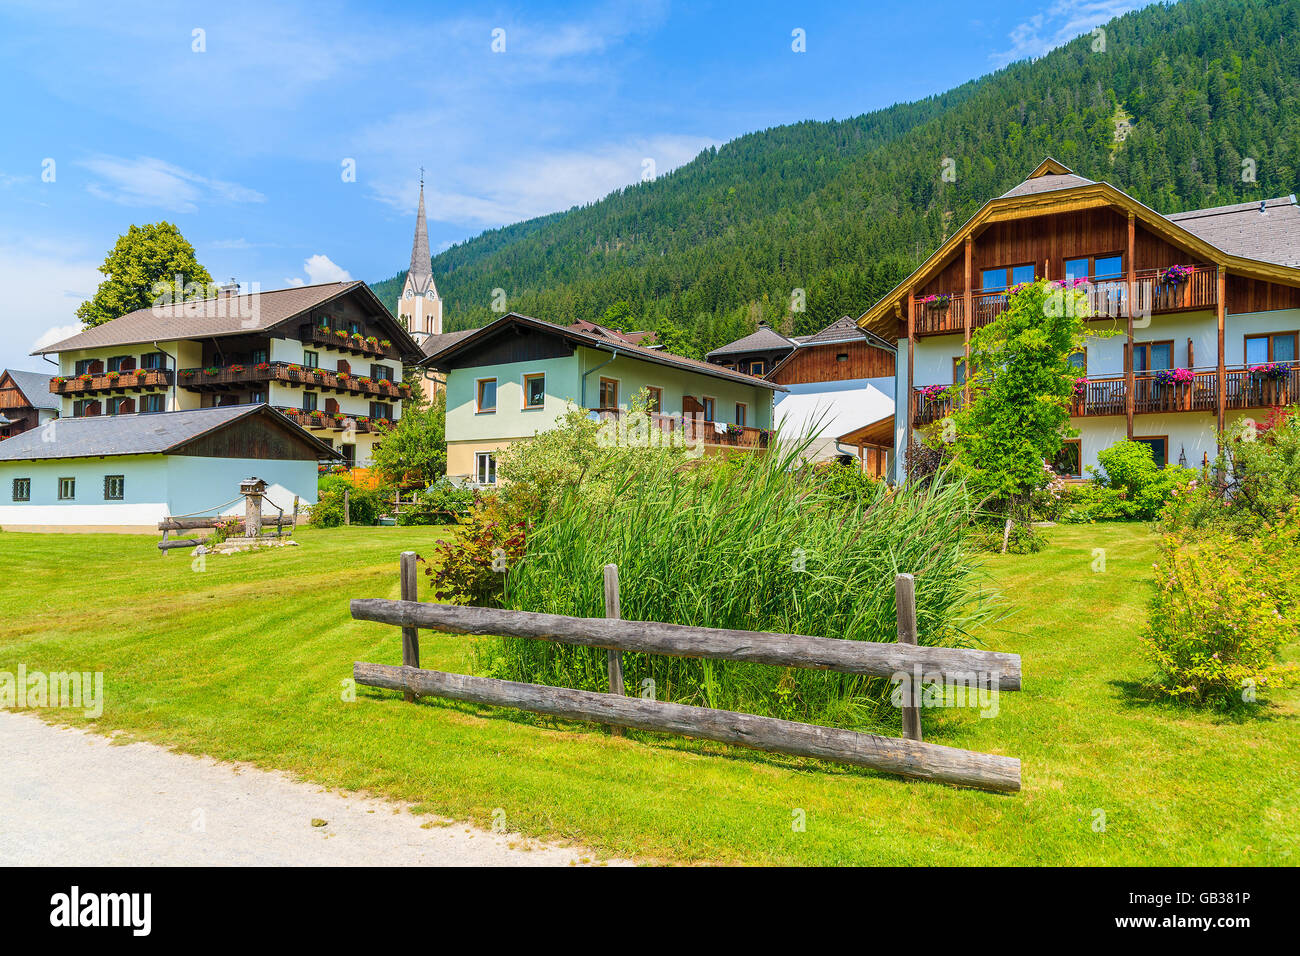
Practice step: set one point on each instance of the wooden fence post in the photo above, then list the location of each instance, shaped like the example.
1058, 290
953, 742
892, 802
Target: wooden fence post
410, 635
905, 603
615, 659
295, 514
347, 513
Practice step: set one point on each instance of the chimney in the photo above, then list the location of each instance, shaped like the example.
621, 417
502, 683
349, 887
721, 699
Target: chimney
1263, 206
230, 288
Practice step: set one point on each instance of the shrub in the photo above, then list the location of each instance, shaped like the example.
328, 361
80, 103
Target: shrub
1024, 538
771, 548
1140, 488
440, 503
1223, 609
472, 569
365, 504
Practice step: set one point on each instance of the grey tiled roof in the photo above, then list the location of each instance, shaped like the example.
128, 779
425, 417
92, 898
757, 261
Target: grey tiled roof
1242, 230
151, 434
1044, 184
233, 315
436, 343
842, 329
36, 386
766, 339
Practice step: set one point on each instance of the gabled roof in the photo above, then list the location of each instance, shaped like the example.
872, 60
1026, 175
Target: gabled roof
604, 331
1243, 229
227, 315
1059, 193
35, 387
441, 358
142, 434
766, 339
843, 329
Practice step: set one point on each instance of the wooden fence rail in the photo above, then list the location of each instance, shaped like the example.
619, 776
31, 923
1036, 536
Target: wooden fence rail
909, 757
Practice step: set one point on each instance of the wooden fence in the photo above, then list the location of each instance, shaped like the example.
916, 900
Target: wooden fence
909, 757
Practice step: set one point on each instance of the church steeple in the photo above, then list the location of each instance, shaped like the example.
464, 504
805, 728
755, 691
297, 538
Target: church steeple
421, 308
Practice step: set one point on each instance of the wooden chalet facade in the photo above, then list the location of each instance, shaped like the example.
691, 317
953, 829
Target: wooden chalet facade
1206, 304
25, 401
330, 357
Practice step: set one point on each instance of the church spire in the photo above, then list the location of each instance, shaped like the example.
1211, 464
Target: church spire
420, 265
420, 306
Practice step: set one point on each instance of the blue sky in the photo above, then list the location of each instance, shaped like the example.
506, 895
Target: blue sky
235, 120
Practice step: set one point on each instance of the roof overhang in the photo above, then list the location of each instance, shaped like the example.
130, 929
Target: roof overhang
439, 359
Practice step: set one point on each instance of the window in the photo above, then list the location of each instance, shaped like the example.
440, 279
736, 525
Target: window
121, 363
114, 487
153, 360
609, 393
841, 356
354, 328
656, 404
1079, 359
1069, 460
1151, 356
67, 489
121, 406
740, 414
258, 355
381, 371
22, 489
487, 395
255, 397
151, 403
311, 359
1099, 267
535, 390
1274, 347
959, 370
709, 404
83, 366
995, 280
309, 401
1159, 448
381, 410
485, 468
349, 453
757, 368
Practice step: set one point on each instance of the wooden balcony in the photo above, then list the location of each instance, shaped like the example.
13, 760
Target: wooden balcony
101, 382
1108, 395
690, 429
332, 421
1107, 298
337, 339
226, 378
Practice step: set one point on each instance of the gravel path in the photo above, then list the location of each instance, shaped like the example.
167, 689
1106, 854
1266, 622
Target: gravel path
72, 798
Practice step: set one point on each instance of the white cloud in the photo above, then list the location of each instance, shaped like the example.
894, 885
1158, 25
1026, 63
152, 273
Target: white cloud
520, 188
320, 268
1061, 23
147, 181
44, 285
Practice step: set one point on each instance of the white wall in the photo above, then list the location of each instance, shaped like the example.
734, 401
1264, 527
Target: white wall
156, 486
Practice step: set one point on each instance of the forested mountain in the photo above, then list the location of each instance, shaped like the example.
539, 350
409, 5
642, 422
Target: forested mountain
845, 209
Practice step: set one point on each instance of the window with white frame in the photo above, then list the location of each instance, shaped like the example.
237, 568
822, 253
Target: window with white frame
485, 468
22, 489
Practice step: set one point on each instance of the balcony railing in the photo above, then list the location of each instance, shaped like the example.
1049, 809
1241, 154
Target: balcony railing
690, 429
91, 383
332, 421
1106, 298
222, 378
1108, 395
347, 342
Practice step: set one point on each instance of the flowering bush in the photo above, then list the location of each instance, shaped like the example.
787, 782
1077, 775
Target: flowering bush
933, 391
1223, 610
937, 302
1174, 376
1080, 387
236, 368
262, 366
1175, 274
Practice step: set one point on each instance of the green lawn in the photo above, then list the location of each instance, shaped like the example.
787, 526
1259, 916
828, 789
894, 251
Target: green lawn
244, 661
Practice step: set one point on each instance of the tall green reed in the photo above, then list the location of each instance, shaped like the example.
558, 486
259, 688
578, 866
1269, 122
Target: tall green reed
759, 543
